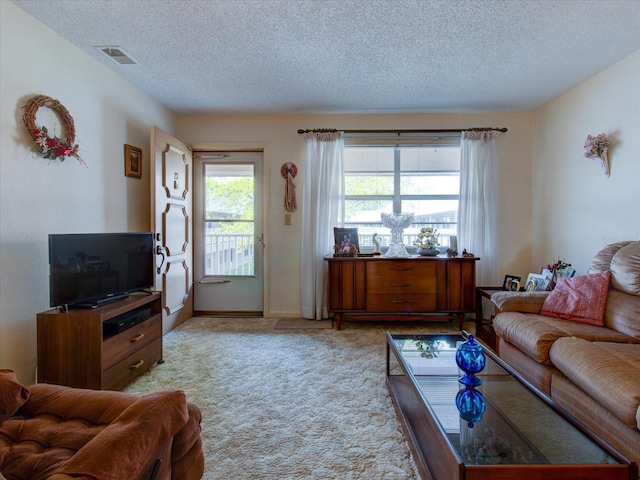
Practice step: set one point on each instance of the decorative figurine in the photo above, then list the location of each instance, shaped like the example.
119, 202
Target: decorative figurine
397, 222
376, 244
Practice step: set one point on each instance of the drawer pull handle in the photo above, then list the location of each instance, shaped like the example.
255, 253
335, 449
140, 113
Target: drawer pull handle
401, 301
403, 284
401, 269
136, 365
137, 338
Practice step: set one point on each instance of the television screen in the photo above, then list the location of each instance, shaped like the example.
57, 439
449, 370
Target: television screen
87, 269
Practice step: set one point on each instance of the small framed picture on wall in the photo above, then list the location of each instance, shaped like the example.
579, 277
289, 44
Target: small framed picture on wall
132, 161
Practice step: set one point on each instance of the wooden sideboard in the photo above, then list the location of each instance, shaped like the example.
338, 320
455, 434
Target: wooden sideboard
394, 288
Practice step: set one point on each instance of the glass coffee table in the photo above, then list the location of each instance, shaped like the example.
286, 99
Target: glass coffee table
519, 433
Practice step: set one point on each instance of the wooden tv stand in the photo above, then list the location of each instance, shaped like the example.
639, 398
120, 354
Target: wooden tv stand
74, 350
401, 288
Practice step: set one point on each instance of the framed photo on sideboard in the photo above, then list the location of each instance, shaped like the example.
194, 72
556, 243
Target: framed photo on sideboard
511, 282
536, 283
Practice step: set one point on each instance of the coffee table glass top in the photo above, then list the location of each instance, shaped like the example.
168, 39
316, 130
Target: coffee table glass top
517, 427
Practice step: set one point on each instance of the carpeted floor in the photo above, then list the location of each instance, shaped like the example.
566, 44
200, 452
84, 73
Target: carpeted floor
302, 323
292, 403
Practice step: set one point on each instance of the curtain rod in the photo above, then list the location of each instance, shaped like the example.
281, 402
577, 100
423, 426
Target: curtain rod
441, 130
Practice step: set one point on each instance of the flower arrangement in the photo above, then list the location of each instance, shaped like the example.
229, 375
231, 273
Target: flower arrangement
55, 148
558, 267
427, 238
596, 147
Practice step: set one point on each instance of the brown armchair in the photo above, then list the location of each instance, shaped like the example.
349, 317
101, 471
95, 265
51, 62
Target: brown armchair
61, 433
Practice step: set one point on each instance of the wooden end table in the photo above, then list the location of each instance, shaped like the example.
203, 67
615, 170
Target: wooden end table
485, 331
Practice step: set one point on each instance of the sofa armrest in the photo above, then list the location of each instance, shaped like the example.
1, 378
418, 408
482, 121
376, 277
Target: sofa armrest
123, 449
187, 458
525, 302
91, 406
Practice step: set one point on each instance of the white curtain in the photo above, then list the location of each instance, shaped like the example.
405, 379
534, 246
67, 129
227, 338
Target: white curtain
322, 198
478, 215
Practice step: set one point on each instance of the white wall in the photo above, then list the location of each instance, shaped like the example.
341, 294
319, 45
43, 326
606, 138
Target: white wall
576, 208
277, 134
37, 196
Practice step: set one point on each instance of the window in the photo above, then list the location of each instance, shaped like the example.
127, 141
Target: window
419, 176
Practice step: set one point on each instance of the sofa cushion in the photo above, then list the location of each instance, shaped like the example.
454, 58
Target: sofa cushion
582, 299
12, 394
52, 426
623, 260
622, 313
608, 372
597, 418
534, 334
139, 431
525, 302
62, 429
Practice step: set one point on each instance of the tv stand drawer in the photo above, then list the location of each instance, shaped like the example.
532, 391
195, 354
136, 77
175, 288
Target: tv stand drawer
125, 371
125, 343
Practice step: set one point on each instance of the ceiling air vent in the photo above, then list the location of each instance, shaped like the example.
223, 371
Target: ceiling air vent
117, 54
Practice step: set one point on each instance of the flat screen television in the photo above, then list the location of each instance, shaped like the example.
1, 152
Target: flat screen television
87, 270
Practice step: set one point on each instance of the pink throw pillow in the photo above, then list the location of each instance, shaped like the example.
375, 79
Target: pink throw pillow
582, 299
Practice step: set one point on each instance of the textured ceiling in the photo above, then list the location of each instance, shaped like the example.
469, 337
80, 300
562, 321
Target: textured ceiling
351, 56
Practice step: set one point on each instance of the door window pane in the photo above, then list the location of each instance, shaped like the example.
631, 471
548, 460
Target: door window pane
229, 228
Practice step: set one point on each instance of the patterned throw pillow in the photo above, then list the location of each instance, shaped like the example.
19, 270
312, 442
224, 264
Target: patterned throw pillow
582, 299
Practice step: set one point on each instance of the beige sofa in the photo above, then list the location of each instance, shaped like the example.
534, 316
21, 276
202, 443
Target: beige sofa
591, 371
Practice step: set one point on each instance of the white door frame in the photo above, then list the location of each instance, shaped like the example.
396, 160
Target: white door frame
248, 147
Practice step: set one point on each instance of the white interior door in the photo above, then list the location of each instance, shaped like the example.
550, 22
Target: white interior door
228, 238
171, 204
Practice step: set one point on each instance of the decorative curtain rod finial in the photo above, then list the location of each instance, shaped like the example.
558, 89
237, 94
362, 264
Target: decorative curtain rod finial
317, 130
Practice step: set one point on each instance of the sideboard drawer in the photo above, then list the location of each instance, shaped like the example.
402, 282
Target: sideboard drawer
408, 284
401, 302
401, 276
400, 268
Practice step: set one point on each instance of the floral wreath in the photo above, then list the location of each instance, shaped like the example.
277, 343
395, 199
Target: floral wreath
53, 148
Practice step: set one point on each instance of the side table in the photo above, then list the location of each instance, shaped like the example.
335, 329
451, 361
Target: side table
484, 330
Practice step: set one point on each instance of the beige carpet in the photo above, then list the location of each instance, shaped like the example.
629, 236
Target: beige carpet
302, 323
292, 403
